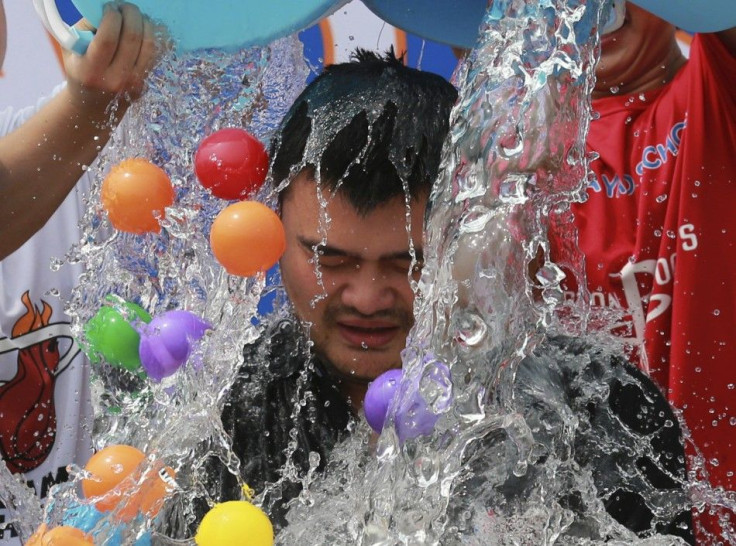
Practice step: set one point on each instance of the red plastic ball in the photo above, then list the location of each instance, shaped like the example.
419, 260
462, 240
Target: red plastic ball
231, 163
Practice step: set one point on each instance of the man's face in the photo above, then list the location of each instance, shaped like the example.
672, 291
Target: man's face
634, 52
357, 298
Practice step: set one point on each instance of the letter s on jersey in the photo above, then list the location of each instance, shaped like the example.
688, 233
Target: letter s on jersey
688, 237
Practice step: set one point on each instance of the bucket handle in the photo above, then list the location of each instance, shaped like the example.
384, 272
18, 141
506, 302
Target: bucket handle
68, 37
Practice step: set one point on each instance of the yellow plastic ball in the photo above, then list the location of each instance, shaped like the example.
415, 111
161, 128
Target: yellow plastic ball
235, 523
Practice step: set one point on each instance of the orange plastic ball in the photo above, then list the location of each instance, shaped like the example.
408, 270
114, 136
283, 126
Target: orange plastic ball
135, 194
161, 486
108, 467
144, 494
149, 497
59, 536
247, 238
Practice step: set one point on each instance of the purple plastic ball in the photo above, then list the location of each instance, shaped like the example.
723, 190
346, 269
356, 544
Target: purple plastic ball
378, 397
414, 415
167, 341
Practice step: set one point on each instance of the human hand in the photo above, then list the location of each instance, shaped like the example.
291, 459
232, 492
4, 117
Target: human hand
117, 60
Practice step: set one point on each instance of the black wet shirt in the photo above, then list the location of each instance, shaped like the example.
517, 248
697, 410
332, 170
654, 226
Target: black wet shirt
285, 414
283, 407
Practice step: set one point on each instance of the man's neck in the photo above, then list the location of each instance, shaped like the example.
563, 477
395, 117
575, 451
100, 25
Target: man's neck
354, 393
352, 389
659, 75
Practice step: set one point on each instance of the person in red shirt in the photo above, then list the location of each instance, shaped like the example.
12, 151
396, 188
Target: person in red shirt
658, 228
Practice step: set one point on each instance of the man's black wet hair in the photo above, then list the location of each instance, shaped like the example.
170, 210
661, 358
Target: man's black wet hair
366, 127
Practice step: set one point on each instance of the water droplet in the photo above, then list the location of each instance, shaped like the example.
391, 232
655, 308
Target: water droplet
471, 330
475, 219
56, 264
426, 470
314, 459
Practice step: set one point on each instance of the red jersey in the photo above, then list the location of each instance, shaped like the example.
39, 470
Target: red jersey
659, 233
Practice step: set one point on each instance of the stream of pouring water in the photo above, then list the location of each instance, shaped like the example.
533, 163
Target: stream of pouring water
177, 420
506, 463
513, 162
516, 155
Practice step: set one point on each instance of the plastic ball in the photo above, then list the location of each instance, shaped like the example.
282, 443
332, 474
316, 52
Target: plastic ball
378, 397
108, 468
87, 518
166, 342
247, 238
157, 488
231, 163
147, 495
416, 415
110, 334
235, 523
135, 194
59, 536
111, 467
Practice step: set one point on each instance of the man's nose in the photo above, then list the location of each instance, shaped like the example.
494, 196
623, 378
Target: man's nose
369, 291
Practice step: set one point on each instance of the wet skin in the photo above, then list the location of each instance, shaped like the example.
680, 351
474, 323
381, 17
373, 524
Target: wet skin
639, 56
357, 299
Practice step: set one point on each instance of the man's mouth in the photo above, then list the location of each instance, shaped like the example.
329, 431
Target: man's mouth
368, 334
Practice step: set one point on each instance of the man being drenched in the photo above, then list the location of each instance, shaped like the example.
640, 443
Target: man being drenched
353, 165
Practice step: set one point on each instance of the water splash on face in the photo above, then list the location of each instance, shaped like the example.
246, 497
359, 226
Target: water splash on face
530, 449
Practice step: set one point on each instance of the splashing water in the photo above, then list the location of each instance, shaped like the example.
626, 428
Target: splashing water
517, 455
531, 446
175, 421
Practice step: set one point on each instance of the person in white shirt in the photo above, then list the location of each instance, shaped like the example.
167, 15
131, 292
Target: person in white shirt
45, 412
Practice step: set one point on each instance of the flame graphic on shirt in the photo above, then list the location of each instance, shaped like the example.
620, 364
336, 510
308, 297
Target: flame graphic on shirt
27, 411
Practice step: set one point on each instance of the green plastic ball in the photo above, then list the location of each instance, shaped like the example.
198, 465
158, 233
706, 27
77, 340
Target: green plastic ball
110, 335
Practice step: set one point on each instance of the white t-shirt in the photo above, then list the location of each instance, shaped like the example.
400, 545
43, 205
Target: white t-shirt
45, 409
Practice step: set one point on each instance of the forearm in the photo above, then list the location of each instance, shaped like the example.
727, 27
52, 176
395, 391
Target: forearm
42, 160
